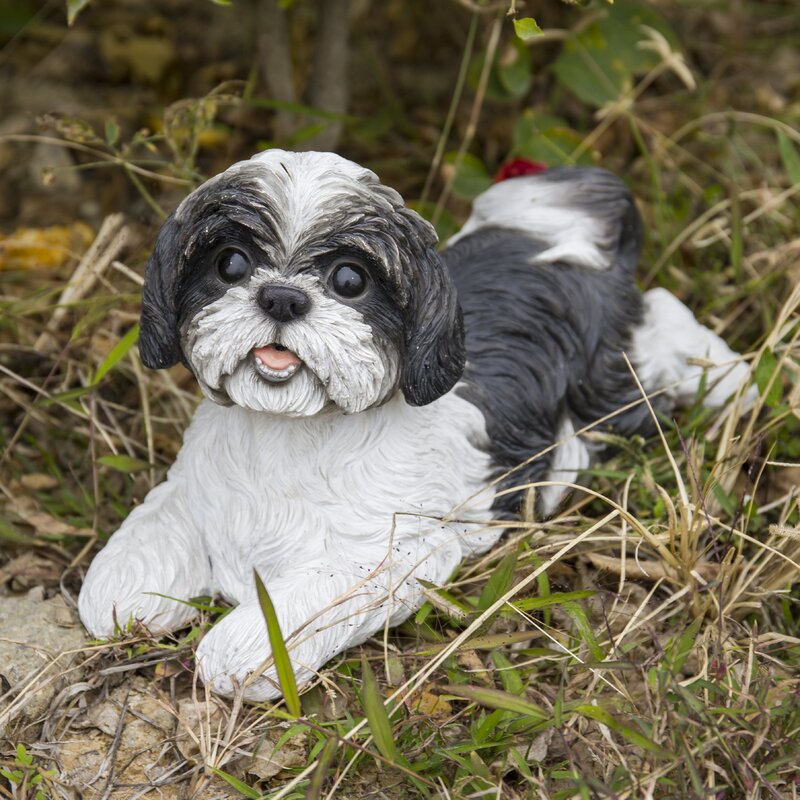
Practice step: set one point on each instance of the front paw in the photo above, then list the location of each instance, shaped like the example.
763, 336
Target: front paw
121, 590
233, 650
235, 655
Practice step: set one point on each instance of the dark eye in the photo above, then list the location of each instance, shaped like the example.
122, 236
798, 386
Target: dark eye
348, 280
232, 265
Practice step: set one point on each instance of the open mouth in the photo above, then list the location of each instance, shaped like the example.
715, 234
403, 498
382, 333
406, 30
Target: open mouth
275, 363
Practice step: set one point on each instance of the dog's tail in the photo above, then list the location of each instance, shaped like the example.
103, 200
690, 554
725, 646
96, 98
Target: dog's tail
583, 216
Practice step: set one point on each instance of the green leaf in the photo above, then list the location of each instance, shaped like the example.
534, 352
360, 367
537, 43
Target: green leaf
599, 63
68, 397
604, 717
499, 582
495, 698
423, 613
789, 157
512, 680
112, 132
280, 655
74, 7
478, 767
118, 352
24, 758
123, 463
489, 725
547, 139
240, 786
585, 632
728, 500
377, 716
15, 776
766, 368
514, 69
678, 651
472, 177
527, 28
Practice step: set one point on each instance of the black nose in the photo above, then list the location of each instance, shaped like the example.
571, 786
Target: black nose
283, 303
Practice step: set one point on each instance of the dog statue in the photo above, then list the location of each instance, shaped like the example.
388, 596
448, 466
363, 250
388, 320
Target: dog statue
372, 403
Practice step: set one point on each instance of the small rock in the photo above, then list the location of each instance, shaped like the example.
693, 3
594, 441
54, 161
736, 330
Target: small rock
268, 762
37, 637
199, 721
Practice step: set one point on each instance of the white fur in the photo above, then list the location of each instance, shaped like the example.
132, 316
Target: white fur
342, 364
547, 211
322, 507
570, 458
668, 338
304, 189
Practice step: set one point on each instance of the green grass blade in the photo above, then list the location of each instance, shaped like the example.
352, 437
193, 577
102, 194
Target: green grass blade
604, 717
283, 666
789, 157
678, 650
377, 716
585, 632
314, 789
499, 582
551, 599
118, 352
240, 786
489, 642
123, 463
495, 698
511, 678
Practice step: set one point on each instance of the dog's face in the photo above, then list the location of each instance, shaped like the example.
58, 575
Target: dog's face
294, 283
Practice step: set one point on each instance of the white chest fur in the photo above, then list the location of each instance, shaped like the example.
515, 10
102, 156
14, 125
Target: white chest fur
250, 490
263, 490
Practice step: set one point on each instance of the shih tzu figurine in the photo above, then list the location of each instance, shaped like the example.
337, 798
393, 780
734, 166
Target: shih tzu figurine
367, 395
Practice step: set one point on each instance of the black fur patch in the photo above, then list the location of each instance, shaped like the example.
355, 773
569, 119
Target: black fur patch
543, 341
411, 306
180, 277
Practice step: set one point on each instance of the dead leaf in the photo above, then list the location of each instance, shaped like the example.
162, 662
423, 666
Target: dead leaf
431, 705
44, 248
38, 482
44, 524
469, 660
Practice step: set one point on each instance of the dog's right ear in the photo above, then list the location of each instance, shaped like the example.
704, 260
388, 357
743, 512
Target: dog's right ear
159, 342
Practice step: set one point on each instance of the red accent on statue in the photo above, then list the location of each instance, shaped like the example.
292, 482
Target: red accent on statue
517, 167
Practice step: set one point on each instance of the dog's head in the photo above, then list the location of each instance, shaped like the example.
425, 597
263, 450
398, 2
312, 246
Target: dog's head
296, 282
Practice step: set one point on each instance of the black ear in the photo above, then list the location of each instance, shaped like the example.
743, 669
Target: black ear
159, 343
435, 355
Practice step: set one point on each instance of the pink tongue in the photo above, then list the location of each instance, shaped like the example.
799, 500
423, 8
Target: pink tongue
276, 359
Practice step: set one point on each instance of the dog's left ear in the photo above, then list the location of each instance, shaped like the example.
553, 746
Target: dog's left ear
159, 343
435, 354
